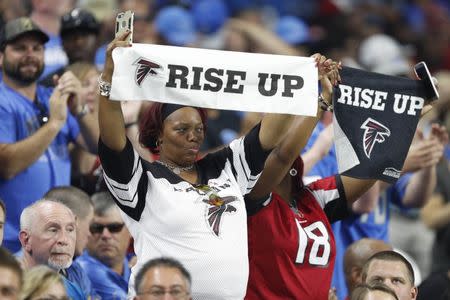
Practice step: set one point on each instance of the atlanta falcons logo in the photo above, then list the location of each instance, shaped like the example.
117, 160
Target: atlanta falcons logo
145, 67
374, 132
218, 206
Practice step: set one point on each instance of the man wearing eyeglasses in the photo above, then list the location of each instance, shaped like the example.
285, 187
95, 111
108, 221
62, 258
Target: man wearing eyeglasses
37, 124
163, 277
105, 260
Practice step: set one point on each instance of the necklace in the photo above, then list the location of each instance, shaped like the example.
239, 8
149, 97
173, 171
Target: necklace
176, 170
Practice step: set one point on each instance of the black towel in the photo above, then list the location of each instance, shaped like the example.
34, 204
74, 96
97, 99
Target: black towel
375, 120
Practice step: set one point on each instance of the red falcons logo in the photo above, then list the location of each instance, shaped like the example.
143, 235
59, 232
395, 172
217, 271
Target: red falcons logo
145, 67
374, 132
218, 206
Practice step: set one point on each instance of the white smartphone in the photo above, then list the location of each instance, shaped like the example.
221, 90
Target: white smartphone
422, 72
124, 22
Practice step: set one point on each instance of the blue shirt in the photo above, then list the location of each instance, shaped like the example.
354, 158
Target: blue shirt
373, 225
327, 166
106, 283
77, 275
73, 291
19, 120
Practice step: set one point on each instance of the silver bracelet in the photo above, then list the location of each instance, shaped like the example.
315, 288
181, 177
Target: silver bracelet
103, 86
324, 105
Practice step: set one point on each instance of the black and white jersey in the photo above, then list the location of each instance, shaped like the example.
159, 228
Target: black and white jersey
204, 229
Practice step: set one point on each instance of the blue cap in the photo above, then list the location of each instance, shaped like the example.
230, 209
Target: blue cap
176, 25
209, 15
292, 30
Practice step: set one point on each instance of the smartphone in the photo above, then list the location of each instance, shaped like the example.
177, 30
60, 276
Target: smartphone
423, 74
124, 22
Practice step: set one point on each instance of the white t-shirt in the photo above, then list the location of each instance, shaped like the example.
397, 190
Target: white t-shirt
170, 217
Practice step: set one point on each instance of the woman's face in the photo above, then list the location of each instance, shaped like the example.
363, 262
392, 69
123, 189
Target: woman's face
182, 135
89, 89
56, 292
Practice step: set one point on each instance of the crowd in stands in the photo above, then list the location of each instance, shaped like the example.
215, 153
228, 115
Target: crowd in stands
77, 171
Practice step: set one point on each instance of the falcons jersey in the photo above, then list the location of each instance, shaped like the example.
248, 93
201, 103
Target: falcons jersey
203, 226
292, 249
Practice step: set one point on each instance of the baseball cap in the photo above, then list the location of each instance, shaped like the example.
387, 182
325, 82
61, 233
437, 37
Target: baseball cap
79, 19
209, 15
176, 25
292, 30
19, 27
382, 54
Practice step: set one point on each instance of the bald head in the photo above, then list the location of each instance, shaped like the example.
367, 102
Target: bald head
356, 255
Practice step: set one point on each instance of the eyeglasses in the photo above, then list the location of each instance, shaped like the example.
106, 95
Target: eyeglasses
96, 228
175, 293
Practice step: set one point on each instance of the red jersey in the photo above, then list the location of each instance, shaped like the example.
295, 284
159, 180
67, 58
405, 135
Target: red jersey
292, 249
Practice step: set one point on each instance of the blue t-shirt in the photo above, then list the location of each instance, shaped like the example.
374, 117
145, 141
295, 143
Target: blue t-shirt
19, 120
373, 225
327, 166
73, 291
77, 275
106, 283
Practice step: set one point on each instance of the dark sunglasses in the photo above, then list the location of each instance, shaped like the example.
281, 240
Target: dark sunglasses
96, 228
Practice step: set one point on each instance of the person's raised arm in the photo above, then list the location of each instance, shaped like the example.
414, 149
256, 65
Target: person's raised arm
110, 117
16, 157
282, 157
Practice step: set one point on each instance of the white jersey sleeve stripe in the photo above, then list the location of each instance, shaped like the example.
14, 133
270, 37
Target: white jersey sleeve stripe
126, 194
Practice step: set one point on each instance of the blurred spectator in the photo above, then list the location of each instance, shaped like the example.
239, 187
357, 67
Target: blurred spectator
40, 283
48, 236
105, 260
161, 276
392, 269
248, 36
293, 31
175, 26
2, 219
35, 126
356, 256
79, 31
209, 15
47, 15
436, 213
391, 61
86, 169
10, 276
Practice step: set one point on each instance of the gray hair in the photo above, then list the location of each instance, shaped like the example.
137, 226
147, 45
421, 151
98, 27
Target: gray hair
30, 213
103, 202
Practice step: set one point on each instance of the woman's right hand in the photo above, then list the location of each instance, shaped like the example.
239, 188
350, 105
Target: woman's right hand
119, 41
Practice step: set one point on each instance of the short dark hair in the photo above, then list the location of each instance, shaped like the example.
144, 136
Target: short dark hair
362, 290
77, 200
8, 261
151, 125
165, 262
3, 206
389, 255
